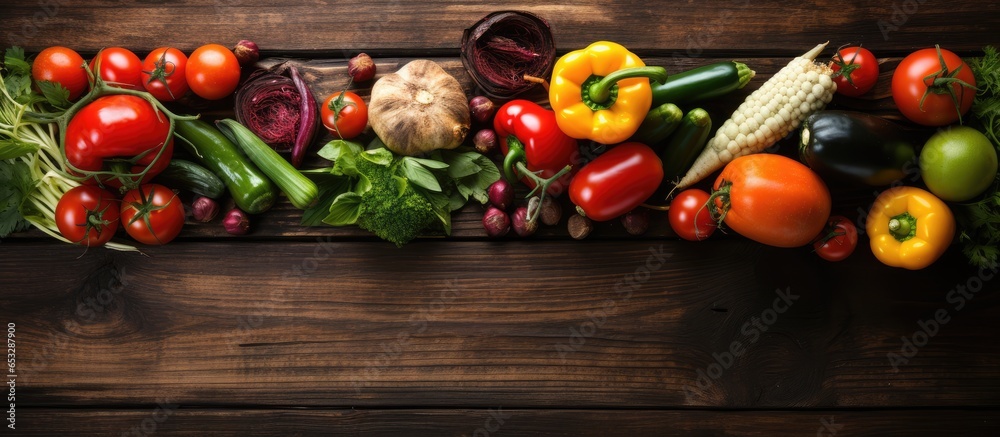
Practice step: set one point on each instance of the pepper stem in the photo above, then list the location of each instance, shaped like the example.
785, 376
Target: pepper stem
515, 154
903, 227
600, 91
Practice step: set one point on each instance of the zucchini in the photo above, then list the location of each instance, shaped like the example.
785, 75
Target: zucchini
702, 83
301, 191
685, 144
659, 123
857, 148
252, 191
192, 177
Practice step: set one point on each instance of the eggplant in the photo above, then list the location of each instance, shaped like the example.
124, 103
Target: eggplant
856, 148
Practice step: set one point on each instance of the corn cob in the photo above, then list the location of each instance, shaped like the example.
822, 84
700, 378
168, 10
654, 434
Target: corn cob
767, 115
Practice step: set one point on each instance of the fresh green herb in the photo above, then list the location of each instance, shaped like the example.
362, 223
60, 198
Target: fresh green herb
979, 222
55, 94
397, 197
15, 183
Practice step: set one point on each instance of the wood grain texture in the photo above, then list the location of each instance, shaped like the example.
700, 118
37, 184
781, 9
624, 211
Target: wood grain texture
327, 331
444, 324
502, 421
338, 28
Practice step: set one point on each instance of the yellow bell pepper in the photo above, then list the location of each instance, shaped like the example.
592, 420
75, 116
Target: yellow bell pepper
602, 92
909, 227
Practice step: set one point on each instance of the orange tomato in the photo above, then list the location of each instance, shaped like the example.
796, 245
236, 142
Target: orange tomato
772, 199
212, 72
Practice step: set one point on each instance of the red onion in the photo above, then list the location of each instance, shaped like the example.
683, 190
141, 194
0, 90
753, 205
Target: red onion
204, 209
485, 141
519, 221
501, 194
482, 109
247, 53
361, 67
496, 222
236, 222
500, 49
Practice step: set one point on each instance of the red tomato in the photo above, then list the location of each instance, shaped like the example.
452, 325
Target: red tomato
88, 215
345, 118
856, 69
213, 72
164, 74
152, 214
119, 67
690, 217
838, 239
921, 89
118, 126
772, 199
63, 66
617, 181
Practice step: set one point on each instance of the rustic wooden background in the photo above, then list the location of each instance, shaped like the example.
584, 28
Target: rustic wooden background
327, 331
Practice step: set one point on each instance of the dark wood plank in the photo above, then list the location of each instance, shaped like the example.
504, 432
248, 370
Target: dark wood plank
175, 420
478, 324
327, 28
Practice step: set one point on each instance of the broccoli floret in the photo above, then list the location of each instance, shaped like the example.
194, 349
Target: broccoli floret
388, 213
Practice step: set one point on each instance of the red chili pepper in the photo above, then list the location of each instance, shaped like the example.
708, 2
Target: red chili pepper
617, 181
529, 136
116, 139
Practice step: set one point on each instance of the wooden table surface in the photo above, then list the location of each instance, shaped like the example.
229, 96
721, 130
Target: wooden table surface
326, 331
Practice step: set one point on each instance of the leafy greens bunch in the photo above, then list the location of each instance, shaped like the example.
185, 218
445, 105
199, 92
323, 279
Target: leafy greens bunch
397, 197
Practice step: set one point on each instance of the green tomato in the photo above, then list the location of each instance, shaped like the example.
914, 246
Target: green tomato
958, 163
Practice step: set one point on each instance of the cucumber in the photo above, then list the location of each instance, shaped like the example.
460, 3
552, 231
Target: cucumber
300, 190
252, 191
702, 83
858, 149
192, 177
685, 144
659, 123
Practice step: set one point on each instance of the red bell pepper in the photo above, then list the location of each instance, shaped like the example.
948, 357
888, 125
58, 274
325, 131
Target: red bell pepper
118, 140
534, 147
616, 182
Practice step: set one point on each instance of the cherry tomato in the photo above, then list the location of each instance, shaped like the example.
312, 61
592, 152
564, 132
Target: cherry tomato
119, 67
345, 118
856, 69
921, 90
772, 199
164, 74
690, 217
838, 239
617, 181
63, 66
88, 215
213, 72
152, 214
